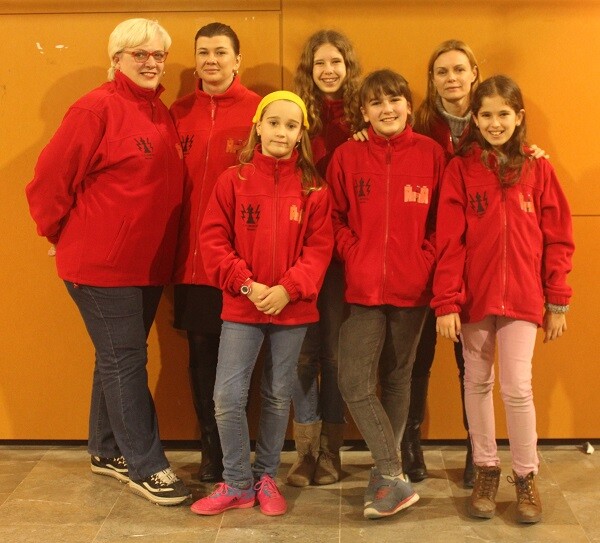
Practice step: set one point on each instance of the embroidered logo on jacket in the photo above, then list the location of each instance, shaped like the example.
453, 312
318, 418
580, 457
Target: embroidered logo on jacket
145, 145
526, 205
186, 144
479, 203
420, 196
362, 188
234, 146
251, 215
295, 213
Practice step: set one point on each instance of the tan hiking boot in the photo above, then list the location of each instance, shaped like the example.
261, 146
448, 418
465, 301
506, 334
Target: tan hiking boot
529, 506
482, 503
307, 438
329, 463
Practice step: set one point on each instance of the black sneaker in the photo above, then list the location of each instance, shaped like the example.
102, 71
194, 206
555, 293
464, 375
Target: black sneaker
113, 467
162, 488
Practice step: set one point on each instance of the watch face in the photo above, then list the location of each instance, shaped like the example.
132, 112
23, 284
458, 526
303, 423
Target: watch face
245, 289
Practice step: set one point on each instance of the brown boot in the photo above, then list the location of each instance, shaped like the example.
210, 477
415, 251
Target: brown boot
329, 463
482, 503
306, 437
529, 506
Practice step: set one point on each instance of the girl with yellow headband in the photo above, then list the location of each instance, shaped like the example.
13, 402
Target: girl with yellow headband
267, 239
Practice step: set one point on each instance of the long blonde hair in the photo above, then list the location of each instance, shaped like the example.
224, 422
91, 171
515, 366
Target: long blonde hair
306, 87
311, 180
427, 113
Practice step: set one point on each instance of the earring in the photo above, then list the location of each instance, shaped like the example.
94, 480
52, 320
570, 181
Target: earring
196, 75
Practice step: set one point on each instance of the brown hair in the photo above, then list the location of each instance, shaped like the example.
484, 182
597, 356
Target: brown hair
508, 162
307, 89
379, 83
219, 29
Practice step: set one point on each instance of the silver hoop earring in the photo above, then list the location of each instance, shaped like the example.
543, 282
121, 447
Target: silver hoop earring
196, 75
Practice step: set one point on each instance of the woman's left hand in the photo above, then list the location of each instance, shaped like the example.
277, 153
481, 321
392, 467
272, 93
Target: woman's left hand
273, 300
555, 325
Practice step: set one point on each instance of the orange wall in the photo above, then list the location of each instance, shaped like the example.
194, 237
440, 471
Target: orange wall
56, 52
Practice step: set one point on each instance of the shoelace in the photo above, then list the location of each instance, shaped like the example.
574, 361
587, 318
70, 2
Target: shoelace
220, 489
524, 488
267, 486
487, 484
120, 462
165, 477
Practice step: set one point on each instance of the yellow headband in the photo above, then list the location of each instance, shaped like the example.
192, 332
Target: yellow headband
281, 95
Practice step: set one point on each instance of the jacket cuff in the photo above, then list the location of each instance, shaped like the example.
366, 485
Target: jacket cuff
240, 279
446, 310
558, 300
290, 288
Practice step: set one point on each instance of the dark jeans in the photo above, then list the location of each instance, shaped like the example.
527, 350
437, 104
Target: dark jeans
122, 416
313, 398
362, 337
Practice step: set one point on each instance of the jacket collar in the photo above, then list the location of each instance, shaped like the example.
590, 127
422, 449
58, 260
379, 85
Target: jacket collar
128, 88
395, 141
332, 109
225, 99
268, 164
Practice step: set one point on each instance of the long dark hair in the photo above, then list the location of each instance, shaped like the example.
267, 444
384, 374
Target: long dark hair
508, 162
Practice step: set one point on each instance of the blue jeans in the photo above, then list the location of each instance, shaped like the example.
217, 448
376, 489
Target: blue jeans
362, 337
315, 399
122, 416
238, 351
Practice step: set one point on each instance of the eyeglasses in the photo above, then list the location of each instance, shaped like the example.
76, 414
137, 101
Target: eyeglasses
139, 55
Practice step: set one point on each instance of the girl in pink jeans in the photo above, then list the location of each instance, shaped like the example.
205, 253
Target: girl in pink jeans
504, 249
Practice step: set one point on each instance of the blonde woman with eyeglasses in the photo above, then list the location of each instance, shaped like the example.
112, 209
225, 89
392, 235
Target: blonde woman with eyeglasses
107, 193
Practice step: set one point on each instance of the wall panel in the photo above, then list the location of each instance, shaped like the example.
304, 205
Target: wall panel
57, 51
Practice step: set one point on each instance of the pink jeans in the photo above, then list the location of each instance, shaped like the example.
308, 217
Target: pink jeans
516, 340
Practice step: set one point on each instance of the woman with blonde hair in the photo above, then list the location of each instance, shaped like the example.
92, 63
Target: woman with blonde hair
107, 192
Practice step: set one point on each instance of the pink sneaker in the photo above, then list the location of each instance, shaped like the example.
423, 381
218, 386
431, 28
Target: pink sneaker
271, 501
224, 497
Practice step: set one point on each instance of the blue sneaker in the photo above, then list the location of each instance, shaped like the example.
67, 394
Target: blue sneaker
375, 481
392, 494
225, 497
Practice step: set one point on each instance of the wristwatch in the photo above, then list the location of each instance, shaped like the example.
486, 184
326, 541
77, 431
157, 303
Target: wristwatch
246, 287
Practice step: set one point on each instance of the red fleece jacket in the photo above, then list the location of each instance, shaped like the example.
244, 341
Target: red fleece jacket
263, 227
501, 251
107, 188
384, 202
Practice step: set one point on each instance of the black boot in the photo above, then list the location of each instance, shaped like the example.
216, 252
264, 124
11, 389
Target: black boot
413, 463
204, 349
469, 473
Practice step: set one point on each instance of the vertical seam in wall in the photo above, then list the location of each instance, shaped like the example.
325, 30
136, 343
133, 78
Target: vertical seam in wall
281, 44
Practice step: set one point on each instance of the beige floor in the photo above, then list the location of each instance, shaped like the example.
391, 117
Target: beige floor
50, 495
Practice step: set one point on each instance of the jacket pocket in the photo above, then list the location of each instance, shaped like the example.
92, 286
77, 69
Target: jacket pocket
118, 241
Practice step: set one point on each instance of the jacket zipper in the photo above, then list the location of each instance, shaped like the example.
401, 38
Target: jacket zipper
213, 108
504, 250
275, 228
388, 162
